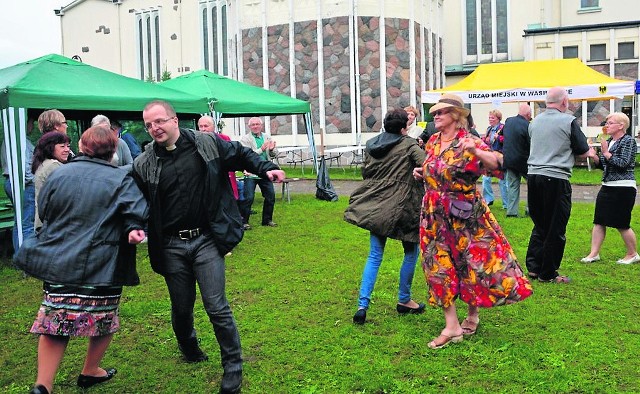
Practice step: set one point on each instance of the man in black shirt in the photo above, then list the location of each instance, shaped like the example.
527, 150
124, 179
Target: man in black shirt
194, 221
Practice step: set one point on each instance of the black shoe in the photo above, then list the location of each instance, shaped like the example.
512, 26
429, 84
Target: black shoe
191, 351
270, 224
231, 382
360, 316
86, 381
403, 310
39, 389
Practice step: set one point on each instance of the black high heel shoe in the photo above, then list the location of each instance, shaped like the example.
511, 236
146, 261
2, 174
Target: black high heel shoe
403, 310
86, 381
360, 317
39, 389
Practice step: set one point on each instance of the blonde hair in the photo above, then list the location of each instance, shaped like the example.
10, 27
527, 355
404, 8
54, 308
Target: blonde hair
619, 117
496, 113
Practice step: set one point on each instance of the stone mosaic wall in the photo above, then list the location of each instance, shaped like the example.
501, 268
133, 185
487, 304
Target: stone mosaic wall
369, 62
306, 68
418, 74
279, 72
337, 78
398, 58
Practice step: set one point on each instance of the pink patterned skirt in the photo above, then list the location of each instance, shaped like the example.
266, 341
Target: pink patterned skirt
78, 311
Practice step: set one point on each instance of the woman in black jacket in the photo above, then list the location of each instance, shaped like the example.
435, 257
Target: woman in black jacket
84, 255
617, 196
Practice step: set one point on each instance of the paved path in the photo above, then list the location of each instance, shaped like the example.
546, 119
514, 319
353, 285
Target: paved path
584, 193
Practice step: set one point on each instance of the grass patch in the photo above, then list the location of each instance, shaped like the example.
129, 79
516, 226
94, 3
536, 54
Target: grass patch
294, 289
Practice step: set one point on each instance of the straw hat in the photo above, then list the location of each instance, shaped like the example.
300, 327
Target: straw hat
449, 100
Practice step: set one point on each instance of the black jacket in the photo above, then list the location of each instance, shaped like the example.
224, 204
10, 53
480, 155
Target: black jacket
223, 216
516, 144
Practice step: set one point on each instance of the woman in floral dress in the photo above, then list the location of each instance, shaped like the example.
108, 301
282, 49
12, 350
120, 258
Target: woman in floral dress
465, 253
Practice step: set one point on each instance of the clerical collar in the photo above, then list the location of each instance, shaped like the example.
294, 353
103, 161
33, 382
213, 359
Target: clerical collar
170, 147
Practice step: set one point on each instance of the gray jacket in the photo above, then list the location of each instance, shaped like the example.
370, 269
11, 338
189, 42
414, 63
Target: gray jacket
88, 207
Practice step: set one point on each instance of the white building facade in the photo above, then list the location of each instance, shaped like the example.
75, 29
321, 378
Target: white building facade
351, 59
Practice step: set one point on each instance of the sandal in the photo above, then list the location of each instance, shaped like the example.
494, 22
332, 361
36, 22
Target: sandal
557, 279
469, 327
443, 340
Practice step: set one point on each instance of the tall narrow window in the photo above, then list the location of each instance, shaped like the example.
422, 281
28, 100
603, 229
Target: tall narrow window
223, 36
502, 33
140, 48
486, 26
149, 69
205, 39
472, 27
148, 44
488, 20
157, 40
215, 49
214, 36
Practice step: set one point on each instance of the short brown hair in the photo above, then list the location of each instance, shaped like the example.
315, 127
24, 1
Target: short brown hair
49, 119
99, 142
167, 107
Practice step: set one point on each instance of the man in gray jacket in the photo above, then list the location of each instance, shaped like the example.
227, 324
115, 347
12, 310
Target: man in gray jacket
193, 223
556, 138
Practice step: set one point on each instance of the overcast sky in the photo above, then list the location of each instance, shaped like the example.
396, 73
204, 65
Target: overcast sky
28, 29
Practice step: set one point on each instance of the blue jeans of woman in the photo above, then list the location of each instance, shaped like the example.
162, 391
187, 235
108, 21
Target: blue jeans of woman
372, 266
487, 190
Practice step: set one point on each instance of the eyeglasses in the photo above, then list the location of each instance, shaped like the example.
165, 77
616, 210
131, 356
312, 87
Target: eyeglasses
610, 123
157, 123
440, 112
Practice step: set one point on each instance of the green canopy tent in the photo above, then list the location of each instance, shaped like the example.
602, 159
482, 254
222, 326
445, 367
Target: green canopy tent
80, 91
231, 99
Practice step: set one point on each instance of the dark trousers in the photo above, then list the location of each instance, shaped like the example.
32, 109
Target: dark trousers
549, 207
269, 194
198, 260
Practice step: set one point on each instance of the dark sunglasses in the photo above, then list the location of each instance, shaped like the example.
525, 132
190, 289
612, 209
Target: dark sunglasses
440, 112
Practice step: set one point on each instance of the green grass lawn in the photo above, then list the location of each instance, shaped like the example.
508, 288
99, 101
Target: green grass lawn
293, 290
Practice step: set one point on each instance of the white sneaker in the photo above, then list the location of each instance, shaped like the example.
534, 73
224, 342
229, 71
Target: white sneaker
632, 260
591, 259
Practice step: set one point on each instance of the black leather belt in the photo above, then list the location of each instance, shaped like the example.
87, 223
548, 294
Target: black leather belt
189, 234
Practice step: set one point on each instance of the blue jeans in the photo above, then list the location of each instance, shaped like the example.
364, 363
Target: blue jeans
28, 213
269, 194
370, 273
198, 260
487, 190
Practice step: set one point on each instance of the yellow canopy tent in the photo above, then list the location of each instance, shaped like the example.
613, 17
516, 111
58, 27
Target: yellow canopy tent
529, 81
